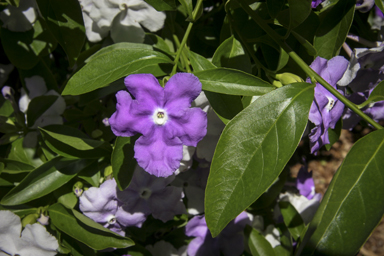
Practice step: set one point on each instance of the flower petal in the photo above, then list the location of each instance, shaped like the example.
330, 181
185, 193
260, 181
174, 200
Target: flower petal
191, 127
129, 117
146, 90
126, 29
10, 228
38, 241
167, 203
159, 154
180, 91
100, 203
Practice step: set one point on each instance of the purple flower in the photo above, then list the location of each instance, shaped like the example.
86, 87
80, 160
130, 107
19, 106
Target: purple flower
306, 185
230, 242
101, 205
163, 116
147, 194
315, 3
326, 109
364, 5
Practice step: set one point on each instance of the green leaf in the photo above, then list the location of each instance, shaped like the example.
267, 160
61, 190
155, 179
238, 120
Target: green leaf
334, 134
24, 49
14, 2
233, 82
43, 180
353, 204
38, 106
91, 174
298, 12
14, 167
87, 231
274, 7
252, 151
380, 4
376, 95
199, 63
72, 143
123, 161
257, 243
334, 28
23, 154
162, 5
225, 106
187, 5
231, 54
65, 21
292, 219
112, 63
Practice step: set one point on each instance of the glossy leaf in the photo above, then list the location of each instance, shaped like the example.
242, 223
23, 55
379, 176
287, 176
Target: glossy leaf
257, 243
37, 106
353, 204
89, 232
225, 106
13, 166
187, 5
376, 95
380, 4
334, 28
274, 7
252, 151
25, 48
123, 161
298, 12
43, 180
199, 63
72, 143
65, 21
23, 154
112, 63
292, 219
162, 5
231, 54
233, 82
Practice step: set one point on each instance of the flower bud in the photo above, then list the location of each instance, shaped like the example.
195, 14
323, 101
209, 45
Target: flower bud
108, 171
29, 219
78, 188
288, 78
43, 220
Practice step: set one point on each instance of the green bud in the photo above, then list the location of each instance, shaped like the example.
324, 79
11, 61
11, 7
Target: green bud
276, 83
288, 78
29, 219
108, 171
78, 188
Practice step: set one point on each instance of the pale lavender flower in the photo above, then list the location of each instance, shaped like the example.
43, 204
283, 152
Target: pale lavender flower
326, 109
148, 194
101, 205
164, 118
230, 242
33, 240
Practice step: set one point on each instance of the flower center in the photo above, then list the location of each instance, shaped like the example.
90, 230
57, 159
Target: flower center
112, 220
331, 104
160, 117
145, 193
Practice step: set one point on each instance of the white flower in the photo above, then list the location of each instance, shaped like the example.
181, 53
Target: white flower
34, 239
19, 19
306, 208
123, 18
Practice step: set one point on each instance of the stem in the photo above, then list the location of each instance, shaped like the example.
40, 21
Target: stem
179, 51
312, 74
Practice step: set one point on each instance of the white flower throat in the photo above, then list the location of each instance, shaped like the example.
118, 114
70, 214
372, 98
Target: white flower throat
331, 104
160, 116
